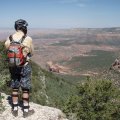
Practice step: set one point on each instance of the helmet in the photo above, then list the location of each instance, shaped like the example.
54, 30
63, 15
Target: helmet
21, 25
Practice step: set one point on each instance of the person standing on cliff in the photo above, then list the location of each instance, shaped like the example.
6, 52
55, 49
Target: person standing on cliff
21, 70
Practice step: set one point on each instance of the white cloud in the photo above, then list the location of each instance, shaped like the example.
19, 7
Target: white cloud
81, 5
72, 1
69, 1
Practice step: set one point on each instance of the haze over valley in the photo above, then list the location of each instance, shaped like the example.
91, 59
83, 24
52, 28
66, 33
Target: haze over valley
82, 51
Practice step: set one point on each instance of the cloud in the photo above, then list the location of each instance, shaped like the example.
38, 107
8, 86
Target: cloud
69, 1
72, 1
81, 5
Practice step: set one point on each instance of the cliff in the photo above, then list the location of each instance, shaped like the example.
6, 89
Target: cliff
41, 112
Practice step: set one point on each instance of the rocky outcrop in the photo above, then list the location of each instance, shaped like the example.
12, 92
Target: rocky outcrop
57, 68
116, 65
41, 112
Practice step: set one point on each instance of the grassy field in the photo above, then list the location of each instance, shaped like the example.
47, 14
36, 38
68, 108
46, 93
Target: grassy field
98, 60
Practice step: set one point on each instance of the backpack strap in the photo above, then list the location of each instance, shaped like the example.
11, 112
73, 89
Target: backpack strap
10, 37
20, 41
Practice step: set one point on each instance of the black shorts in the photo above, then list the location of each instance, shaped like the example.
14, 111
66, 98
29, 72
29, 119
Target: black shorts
21, 77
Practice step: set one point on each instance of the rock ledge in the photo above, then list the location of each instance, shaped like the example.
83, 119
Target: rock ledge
41, 112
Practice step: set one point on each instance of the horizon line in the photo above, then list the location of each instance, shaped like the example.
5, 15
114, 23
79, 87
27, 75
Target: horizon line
62, 28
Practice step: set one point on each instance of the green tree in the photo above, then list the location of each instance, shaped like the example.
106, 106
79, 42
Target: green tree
3, 71
3, 57
95, 100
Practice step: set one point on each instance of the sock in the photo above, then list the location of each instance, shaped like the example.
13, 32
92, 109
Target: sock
26, 109
15, 106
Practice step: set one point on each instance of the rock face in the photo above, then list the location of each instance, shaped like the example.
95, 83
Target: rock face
56, 68
116, 65
41, 112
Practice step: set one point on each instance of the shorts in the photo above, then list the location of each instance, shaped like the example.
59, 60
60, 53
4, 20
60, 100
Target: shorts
20, 77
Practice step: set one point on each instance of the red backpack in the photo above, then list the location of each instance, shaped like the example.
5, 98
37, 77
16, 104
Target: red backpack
14, 53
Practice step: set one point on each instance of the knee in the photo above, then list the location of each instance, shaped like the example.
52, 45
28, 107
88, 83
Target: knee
25, 90
15, 93
15, 90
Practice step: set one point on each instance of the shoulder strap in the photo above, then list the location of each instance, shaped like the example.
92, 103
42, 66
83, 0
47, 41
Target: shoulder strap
22, 39
10, 37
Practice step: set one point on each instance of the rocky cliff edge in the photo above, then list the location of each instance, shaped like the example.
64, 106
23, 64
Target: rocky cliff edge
41, 112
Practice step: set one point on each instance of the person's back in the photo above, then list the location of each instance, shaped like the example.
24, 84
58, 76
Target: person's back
27, 43
21, 75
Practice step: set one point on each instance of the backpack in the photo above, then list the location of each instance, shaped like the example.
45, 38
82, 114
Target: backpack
14, 53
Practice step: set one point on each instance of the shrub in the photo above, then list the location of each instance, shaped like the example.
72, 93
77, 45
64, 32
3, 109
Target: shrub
1, 105
95, 100
3, 71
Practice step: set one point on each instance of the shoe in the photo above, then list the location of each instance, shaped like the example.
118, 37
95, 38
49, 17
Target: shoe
29, 113
15, 113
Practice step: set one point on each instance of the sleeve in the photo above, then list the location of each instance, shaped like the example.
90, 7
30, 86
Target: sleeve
28, 46
7, 43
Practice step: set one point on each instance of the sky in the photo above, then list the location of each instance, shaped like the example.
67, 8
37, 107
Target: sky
61, 13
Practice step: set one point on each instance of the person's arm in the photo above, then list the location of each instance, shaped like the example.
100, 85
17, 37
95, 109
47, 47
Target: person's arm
32, 48
27, 46
7, 43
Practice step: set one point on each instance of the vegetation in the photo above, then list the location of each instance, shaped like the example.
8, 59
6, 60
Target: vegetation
47, 88
97, 60
95, 100
3, 72
1, 105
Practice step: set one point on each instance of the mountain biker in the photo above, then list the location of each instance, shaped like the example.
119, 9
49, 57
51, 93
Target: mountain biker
21, 75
